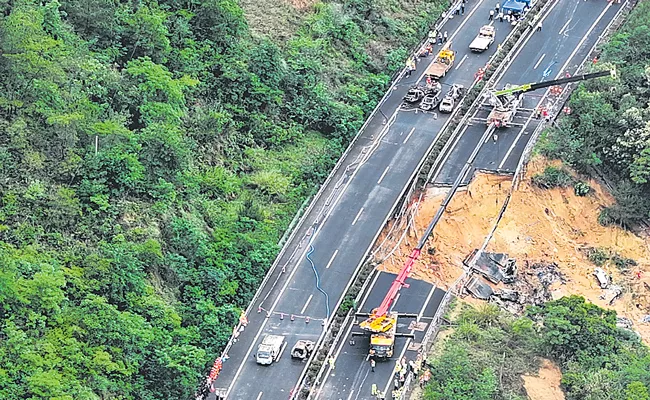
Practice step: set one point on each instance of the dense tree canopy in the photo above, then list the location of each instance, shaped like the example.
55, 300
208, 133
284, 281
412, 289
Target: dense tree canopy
152, 153
599, 361
609, 127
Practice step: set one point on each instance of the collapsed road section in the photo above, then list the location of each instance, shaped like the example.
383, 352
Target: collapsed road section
354, 375
320, 259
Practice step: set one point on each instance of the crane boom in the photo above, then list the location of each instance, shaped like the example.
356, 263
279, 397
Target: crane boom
540, 85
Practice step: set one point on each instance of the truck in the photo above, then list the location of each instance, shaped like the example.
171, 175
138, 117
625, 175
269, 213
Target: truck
442, 63
382, 343
270, 349
483, 40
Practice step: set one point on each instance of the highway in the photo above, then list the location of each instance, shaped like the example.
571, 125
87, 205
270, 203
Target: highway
570, 29
343, 223
352, 377
569, 32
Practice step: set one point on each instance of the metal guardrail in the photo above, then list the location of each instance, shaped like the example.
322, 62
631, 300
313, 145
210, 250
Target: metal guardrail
301, 216
461, 281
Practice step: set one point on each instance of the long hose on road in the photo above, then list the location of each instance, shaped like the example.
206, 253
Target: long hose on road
313, 267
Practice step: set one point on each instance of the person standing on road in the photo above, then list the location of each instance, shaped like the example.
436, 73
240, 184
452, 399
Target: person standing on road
445, 36
372, 364
331, 361
439, 38
491, 15
374, 389
539, 26
500, 17
497, 7
432, 36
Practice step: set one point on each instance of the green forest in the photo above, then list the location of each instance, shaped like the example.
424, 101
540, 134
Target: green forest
489, 350
152, 154
607, 133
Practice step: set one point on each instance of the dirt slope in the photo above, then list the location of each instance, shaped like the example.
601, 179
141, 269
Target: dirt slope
538, 226
546, 385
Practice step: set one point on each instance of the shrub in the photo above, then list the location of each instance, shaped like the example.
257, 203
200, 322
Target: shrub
581, 188
552, 177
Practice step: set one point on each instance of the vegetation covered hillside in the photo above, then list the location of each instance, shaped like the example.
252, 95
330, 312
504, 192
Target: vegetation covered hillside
489, 350
152, 153
609, 127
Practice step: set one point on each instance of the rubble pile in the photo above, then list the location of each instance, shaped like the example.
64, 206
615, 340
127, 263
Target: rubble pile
509, 289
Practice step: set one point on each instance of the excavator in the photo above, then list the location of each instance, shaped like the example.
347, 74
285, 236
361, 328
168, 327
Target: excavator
510, 98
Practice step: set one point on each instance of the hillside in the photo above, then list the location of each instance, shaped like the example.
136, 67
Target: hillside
152, 153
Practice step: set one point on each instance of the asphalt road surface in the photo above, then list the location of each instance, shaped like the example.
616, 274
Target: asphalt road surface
569, 31
345, 222
352, 377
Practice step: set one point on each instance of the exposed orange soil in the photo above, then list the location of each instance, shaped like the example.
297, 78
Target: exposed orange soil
538, 226
546, 385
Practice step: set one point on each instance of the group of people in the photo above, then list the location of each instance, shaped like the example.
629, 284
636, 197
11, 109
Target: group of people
402, 370
510, 17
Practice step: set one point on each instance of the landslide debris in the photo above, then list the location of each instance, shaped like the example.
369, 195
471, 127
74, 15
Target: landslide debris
552, 231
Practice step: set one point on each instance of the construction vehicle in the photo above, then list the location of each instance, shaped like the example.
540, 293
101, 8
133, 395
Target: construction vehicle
506, 102
442, 63
448, 103
270, 349
382, 322
302, 349
382, 344
484, 39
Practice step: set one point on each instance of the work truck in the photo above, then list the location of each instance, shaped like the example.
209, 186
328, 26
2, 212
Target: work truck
443, 62
483, 40
382, 343
270, 349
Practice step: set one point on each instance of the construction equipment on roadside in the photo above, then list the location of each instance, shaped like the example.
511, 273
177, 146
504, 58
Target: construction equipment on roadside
442, 63
505, 102
382, 322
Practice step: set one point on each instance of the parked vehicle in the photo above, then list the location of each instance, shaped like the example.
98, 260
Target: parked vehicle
270, 349
484, 39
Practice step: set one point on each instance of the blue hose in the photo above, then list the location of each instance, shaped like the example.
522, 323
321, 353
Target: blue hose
313, 267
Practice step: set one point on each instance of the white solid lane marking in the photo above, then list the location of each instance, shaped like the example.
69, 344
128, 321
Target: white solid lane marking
409, 135
461, 61
539, 61
329, 264
512, 147
568, 61
259, 396
306, 304
357, 217
382, 175
565, 25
